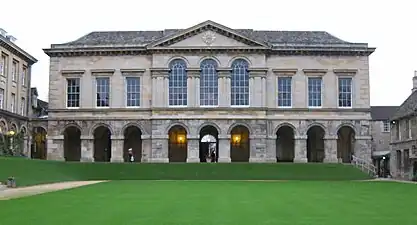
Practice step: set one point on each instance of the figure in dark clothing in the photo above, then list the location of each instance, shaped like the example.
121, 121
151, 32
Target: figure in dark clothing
131, 157
213, 156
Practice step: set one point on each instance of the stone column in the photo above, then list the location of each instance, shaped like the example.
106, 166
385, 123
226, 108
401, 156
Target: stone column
300, 149
271, 152
117, 148
224, 149
55, 145
257, 148
26, 148
193, 87
257, 86
330, 149
193, 148
159, 150
363, 147
87, 148
146, 148
224, 87
159, 86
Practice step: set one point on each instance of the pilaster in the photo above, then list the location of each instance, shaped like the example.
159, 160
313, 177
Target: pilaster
257, 86
193, 148
159, 150
224, 87
55, 145
271, 152
224, 149
258, 149
146, 148
330, 149
193, 87
300, 149
87, 149
159, 86
117, 148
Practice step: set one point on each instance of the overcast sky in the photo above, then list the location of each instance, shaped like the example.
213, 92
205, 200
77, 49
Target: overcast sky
389, 27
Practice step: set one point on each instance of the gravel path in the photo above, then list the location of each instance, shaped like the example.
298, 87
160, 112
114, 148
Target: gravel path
12, 193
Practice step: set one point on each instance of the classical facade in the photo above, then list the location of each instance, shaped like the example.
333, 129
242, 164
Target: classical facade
404, 137
15, 95
171, 95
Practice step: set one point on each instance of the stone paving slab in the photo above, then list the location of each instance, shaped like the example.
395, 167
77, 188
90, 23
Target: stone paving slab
12, 193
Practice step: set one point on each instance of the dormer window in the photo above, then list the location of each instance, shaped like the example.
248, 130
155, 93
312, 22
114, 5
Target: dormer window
35, 101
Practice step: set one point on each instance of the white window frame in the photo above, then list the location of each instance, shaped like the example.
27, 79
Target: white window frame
22, 106
249, 89
13, 103
409, 129
277, 92
3, 64
95, 92
66, 92
15, 70
351, 92
1, 98
140, 91
388, 123
23, 74
321, 93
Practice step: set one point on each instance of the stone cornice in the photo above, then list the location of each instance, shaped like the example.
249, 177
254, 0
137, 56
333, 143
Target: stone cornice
257, 72
159, 72
315, 72
72, 73
285, 72
130, 71
102, 71
344, 72
16, 50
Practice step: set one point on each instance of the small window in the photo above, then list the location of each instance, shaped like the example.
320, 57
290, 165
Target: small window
386, 125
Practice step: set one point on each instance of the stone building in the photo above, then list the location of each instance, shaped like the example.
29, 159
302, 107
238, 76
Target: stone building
404, 137
38, 124
15, 95
260, 96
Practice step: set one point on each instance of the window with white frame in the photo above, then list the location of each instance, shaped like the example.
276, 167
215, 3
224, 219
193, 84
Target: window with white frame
209, 84
314, 91
284, 92
24, 74
409, 128
132, 91
13, 103
103, 91
73, 92
240, 83
22, 106
1, 98
345, 92
177, 83
386, 126
15, 70
3, 65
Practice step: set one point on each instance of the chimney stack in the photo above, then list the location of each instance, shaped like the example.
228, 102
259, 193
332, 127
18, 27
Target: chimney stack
415, 82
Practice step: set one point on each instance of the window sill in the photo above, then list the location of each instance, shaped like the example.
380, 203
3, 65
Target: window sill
284, 107
240, 106
344, 107
73, 107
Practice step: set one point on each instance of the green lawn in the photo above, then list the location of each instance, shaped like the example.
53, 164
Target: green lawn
219, 202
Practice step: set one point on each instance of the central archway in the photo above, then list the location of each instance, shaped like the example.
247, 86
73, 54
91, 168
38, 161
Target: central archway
209, 143
102, 144
72, 144
315, 144
345, 144
132, 139
285, 144
38, 146
177, 146
239, 144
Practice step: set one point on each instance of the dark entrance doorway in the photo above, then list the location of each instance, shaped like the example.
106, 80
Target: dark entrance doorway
345, 144
239, 144
38, 145
72, 144
315, 144
102, 144
209, 144
133, 140
285, 144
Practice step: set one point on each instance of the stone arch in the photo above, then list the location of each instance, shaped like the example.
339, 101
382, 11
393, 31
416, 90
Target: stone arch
315, 143
95, 126
209, 57
173, 124
3, 125
229, 131
208, 148
68, 126
283, 125
219, 131
345, 143
72, 142
13, 126
132, 142
177, 143
346, 125
177, 57
23, 129
240, 143
138, 125
314, 124
229, 64
285, 144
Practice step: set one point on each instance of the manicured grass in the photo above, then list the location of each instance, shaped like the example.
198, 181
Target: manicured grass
29, 172
220, 203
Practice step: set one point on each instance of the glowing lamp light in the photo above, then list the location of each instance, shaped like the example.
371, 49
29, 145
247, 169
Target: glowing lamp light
181, 139
236, 138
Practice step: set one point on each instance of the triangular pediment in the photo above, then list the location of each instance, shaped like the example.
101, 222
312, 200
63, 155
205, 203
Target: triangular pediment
207, 34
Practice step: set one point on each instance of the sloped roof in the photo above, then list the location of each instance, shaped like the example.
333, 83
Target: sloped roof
407, 108
383, 112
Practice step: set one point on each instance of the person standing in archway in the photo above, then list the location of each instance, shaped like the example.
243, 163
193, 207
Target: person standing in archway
213, 156
131, 157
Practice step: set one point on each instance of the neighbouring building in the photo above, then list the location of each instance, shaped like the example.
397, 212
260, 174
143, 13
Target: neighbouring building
39, 124
381, 137
404, 137
15, 94
174, 94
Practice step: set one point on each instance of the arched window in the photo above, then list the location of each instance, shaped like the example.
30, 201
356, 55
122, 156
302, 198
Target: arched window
240, 83
209, 85
178, 83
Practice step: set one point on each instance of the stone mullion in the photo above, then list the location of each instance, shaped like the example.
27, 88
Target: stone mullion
224, 87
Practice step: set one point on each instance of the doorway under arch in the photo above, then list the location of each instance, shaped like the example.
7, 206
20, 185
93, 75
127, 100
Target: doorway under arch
177, 144
239, 144
102, 144
209, 143
315, 144
285, 144
72, 144
345, 144
38, 146
133, 140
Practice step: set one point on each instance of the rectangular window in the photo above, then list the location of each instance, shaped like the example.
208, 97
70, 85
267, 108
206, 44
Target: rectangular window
386, 125
284, 92
22, 106
133, 91
15, 71
13, 103
1, 98
314, 91
24, 71
103, 91
73, 92
3, 65
345, 92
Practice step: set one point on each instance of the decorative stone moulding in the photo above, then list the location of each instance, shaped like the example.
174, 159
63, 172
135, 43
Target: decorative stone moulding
345, 72
285, 72
315, 72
